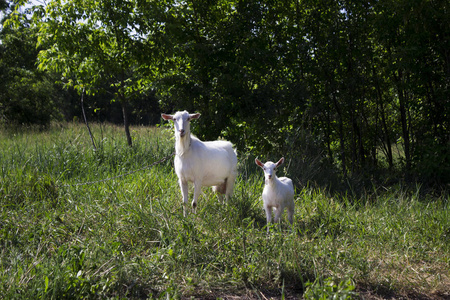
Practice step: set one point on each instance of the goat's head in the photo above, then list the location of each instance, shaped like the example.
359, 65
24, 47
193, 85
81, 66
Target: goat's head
269, 168
181, 121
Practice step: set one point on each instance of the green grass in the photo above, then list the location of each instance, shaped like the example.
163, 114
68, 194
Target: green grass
127, 237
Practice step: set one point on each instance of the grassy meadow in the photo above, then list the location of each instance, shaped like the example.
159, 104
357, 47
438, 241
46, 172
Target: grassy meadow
126, 237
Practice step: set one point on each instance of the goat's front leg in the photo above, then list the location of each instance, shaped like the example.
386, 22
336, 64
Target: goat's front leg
278, 214
197, 191
184, 194
268, 210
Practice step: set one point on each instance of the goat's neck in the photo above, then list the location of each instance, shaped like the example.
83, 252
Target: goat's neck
183, 144
273, 182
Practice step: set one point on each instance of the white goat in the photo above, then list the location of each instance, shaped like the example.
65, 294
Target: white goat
203, 163
278, 193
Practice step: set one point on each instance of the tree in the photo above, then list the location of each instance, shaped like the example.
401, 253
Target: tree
362, 76
238, 67
413, 37
98, 43
27, 96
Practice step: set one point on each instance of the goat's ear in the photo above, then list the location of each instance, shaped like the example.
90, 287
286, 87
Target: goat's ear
194, 116
259, 163
167, 117
280, 162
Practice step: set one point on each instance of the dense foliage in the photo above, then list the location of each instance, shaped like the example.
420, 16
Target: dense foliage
27, 96
353, 87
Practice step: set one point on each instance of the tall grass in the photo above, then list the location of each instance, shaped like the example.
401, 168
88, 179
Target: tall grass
127, 237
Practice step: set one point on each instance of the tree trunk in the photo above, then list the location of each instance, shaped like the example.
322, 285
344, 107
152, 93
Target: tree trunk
86, 121
341, 135
386, 139
329, 133
126, 123
404, 121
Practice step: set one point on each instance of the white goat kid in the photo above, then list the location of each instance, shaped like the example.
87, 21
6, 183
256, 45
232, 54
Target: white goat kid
203, 163
278, 193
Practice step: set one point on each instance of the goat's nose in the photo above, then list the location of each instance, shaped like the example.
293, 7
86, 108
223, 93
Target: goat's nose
182, 131
269, 176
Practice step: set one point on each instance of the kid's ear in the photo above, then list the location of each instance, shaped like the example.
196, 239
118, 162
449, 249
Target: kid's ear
280, 162
167, 117
194, 116
259, 163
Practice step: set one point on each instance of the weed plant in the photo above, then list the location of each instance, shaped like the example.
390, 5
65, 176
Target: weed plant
127, 238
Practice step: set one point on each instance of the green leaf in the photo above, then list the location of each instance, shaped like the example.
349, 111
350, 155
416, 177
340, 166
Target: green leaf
46, 284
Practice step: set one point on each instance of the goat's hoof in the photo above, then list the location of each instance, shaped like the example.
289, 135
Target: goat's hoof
194, 205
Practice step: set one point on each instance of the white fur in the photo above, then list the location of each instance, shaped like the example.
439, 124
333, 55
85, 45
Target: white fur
278, 193
203, 163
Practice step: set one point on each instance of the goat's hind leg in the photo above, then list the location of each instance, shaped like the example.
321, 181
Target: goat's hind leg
229, 186
220, 190
290, 212
278, 214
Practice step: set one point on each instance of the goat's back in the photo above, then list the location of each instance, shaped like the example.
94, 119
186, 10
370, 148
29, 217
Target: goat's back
209, 163
287, 181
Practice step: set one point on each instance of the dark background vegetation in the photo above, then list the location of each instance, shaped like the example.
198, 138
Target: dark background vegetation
352, 91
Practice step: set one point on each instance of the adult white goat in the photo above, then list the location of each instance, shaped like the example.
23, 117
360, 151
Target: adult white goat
278, 193
203, 163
